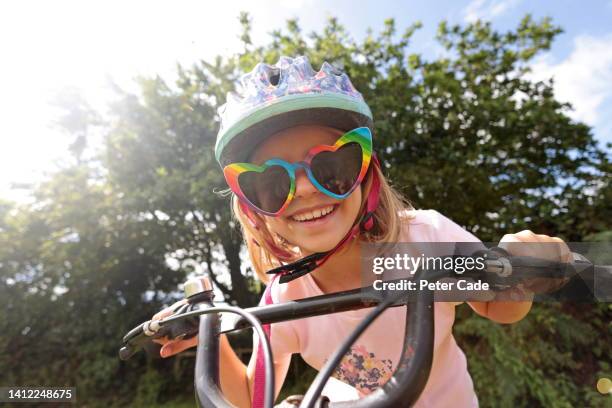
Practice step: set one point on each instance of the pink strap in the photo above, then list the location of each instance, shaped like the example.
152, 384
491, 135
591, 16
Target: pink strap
373, 197
259, 383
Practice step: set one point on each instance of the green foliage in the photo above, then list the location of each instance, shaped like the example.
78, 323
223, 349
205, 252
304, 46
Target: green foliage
549, 359
148, 390
467, 134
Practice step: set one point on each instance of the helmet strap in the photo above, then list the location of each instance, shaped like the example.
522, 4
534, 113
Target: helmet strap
249, 214
271, 246
309, 263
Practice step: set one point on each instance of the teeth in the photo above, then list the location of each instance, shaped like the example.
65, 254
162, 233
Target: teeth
313, 214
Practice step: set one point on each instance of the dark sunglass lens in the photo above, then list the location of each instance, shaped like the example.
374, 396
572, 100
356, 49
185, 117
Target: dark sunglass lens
338, 171
267, 190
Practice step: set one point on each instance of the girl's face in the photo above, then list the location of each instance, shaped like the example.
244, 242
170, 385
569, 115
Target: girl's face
313, 221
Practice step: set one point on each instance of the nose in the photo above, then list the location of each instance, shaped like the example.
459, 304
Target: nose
303, 185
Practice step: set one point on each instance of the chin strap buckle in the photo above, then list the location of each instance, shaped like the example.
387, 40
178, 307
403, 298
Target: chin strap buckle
294, 270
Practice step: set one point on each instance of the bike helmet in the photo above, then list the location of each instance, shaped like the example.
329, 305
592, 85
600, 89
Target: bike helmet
272, 98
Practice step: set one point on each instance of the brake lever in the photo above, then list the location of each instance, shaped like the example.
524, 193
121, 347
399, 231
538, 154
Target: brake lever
181, 329
137, 338
504, 270
197, 290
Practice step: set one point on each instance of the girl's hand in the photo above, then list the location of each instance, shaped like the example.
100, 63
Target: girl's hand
526, 243
512, 305
172, 347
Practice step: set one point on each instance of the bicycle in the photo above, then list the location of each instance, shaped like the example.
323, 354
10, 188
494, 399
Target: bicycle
502, 271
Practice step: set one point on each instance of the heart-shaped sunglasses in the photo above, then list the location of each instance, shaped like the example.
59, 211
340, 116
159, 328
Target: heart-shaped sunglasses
334, 170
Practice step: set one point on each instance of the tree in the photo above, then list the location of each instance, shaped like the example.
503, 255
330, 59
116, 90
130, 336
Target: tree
159, 155
77, 274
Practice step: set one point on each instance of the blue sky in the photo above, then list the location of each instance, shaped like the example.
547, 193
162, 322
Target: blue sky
49, 45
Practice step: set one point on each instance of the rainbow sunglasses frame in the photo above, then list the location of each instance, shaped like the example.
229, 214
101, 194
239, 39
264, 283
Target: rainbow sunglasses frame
361, 135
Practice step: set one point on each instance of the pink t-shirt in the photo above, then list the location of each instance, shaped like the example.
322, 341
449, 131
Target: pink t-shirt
374, 356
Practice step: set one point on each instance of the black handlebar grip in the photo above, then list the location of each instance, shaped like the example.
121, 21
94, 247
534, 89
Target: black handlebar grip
126, 352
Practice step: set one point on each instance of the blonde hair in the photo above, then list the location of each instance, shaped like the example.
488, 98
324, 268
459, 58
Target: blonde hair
268, 250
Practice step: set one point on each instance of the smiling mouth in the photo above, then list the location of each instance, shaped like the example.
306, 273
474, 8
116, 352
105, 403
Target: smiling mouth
314, 215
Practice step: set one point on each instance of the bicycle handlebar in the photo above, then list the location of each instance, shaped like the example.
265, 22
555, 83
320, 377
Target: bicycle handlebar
412, 372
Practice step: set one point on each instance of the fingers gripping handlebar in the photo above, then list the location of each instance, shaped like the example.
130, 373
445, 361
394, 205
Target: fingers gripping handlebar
184, 328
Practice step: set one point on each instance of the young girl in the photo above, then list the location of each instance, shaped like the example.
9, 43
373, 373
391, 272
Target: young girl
296, 150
